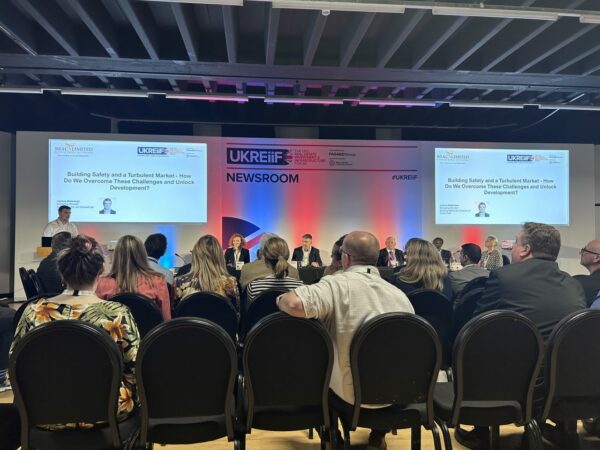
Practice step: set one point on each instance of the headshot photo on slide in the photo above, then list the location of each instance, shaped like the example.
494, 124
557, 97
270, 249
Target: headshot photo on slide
107, 207
481, 210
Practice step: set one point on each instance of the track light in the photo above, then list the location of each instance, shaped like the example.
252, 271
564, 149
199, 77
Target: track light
495, 12
375, 7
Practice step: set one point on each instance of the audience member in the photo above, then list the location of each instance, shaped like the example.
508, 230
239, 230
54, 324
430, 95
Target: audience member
590, 259
131, 273
47, 271
344, 302
275, 254
236, 255
336, 258
470, 254
61, 223
208, 273
390, 256
491, 258
6, 333
306, 255
533, 286
446, 256
424, 269
80, 265
258, 269
156, 247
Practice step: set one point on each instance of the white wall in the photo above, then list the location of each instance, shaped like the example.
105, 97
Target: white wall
6, 211
582, 194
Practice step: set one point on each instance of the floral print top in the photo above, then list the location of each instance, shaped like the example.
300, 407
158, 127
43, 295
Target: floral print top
112, 317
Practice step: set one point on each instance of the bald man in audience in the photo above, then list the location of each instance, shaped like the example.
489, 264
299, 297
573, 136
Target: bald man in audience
590, 259
343, 302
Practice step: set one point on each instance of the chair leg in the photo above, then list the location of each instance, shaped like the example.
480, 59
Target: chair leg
445, 434
310, 433
436, 438
415, 438
394, 432
570, 436
533, 435
240, 443
322, 435
347, 445
494, 436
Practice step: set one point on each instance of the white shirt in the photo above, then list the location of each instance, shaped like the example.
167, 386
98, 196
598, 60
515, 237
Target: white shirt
153, 263
305, 255
343, 302
56, 226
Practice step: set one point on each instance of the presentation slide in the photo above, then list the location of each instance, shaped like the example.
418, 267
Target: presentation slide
128, 181
501, 186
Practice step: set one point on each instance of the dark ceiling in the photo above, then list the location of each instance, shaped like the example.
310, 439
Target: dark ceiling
259, 52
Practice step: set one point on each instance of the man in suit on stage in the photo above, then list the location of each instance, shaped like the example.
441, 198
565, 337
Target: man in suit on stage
446, 256
390, 256
534, 286
307, 255
590, 259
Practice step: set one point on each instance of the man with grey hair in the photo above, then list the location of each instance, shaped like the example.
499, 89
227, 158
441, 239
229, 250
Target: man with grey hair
258, 269
533, 286
343, 302
590, 259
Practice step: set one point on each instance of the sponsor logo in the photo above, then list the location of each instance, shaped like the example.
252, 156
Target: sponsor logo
160, 151
72, 147
449, 155
519, 158
262, 178
258, 156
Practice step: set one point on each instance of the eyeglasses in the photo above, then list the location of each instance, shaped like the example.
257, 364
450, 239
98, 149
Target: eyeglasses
585, 250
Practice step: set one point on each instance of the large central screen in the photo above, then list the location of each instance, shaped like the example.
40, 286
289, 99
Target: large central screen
128, 181
501, 186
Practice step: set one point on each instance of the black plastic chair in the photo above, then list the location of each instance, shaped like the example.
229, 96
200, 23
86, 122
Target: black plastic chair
210, 306
69, 371
261, 307
287, 365
572, 372
464, 309
143, 309
496, 359
33, 276
186, 370
395, 359
436, 308
28, 284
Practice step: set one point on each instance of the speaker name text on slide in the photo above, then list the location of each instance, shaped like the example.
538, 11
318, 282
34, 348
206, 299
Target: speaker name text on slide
128, 181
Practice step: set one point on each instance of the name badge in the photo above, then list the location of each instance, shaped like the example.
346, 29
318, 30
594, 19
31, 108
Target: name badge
238, 265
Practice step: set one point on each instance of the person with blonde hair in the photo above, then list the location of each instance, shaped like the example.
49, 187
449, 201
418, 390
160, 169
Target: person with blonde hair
80, 264
424, 269
275, 254
208, 273
491, 258
131, 273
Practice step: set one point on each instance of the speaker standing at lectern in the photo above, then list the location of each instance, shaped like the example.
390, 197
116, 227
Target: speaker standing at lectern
61, 223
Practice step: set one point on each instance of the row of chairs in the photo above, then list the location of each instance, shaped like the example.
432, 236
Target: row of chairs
31, 282
190, 388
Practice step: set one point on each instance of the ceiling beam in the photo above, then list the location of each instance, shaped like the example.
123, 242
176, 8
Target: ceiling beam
286, 74
404, 26
575, 53
99, 23
229, 15
312, 37
184, 16
17, 28
271, 30
425, 47
56, 24
141, 21
353, 36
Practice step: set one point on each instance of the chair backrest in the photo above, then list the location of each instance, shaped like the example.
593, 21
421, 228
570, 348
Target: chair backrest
395, 358
210, 306
287, 362
143, 309
434, 307
66, 371
28, 284
573, 367
464, 308
475, 283
262, 306
186, 368
33, 276
497, 357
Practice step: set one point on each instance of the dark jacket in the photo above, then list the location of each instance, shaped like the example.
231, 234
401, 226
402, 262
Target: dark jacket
244, 256
48, 274
591, 285
382, 260
313, 256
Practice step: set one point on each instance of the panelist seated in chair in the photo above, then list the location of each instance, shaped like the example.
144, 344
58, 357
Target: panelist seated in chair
208, 273
424, 269
130, 272
80, 265
236, 255
306, 255
390, 256
275, 254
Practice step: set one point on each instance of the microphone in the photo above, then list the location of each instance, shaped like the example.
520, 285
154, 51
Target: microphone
180, 257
